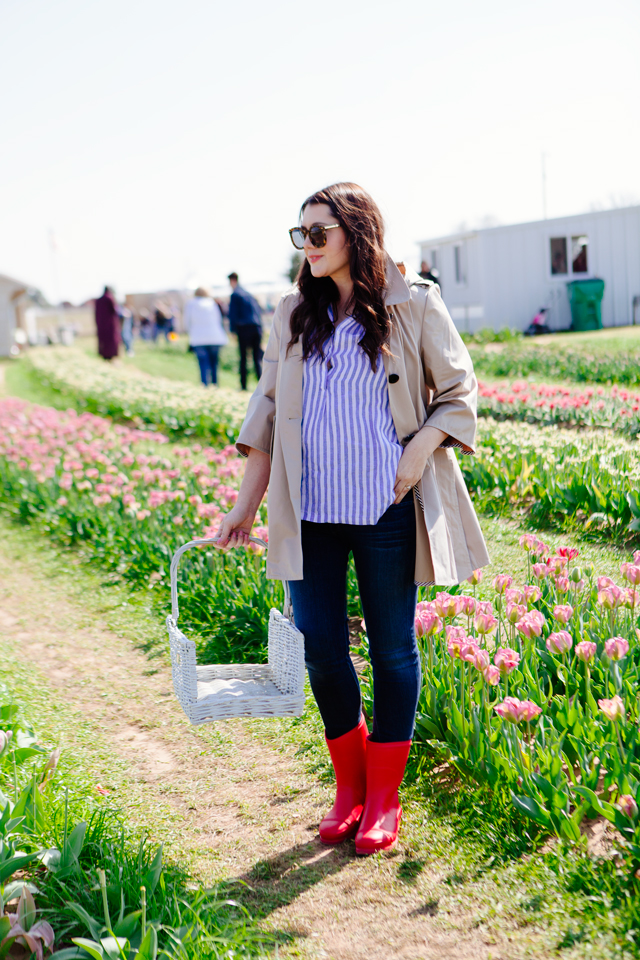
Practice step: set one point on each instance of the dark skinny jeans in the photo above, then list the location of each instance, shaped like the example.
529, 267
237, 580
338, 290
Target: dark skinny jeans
249, 338
384, 556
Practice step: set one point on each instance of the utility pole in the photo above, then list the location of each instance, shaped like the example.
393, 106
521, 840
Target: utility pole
543, 159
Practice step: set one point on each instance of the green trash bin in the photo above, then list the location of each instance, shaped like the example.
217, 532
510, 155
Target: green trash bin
585, 297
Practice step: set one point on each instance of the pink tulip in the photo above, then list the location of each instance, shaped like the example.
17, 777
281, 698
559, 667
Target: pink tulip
612, 709
557, 564
427, 623
631, 573
426, 605
515, 612
562, 584
481, 660
515, 710
447, 606
559, 642
468, 606
485, 622
492, 675
586, 651
531, 593
636, 557
468, 651
502, 582
513, 595
506, 659
616, 648
530, 710
475, 578
452, 632
531, 624
628, 806
611, 597
540, 570
454, 646
604, 582
631, 597
563, 612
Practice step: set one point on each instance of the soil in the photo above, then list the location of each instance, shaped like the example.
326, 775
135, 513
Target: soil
241, 804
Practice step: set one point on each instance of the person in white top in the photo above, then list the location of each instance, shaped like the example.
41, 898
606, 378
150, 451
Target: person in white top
203, 321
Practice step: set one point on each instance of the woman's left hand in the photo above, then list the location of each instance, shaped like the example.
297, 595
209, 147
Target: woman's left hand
413, 461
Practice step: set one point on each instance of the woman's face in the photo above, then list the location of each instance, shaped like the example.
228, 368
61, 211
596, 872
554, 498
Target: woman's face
332, 259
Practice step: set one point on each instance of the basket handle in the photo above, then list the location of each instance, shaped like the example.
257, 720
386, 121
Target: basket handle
175, 560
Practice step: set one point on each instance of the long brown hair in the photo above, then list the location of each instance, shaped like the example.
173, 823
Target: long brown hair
362, 222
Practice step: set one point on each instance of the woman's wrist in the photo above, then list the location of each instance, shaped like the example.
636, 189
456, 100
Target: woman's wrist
427, 440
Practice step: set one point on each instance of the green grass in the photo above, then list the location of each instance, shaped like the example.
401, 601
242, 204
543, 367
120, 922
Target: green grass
172, 360
609, 339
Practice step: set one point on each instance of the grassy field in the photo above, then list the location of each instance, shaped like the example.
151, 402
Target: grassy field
172, 360
611, 339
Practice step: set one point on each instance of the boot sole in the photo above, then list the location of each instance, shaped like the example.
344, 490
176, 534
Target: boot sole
351, 832
367, 853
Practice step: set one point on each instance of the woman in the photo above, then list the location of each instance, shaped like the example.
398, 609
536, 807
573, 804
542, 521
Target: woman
365, 388
203, 322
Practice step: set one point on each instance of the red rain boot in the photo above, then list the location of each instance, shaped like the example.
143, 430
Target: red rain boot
348, 755
380, 820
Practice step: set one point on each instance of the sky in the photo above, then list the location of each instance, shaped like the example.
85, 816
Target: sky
154, 145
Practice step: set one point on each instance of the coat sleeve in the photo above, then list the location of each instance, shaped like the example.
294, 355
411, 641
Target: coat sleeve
258, 424
449, 376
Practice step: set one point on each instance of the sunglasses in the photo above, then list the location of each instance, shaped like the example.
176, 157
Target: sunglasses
317, 235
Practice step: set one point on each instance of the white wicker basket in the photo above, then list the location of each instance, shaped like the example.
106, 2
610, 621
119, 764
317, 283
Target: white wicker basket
223, 690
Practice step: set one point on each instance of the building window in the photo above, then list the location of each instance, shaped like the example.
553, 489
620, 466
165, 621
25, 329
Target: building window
579, 254
558, 256
459, 261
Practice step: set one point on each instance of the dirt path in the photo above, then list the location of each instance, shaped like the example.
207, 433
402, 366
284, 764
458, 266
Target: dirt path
238, 806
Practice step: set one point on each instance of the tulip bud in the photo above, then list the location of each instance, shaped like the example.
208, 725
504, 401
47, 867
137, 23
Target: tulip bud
628, 806
5, 737
587, 570
576, 575
613, 709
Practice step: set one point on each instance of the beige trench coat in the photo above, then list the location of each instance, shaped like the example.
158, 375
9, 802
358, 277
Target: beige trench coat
430, 380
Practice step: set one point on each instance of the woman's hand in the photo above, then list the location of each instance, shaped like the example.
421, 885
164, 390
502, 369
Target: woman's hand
235, 529
413, 461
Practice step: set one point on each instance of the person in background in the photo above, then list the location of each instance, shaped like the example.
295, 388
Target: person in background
126, 331
107, 325
245, 320
203, 322
163, 320
429, 273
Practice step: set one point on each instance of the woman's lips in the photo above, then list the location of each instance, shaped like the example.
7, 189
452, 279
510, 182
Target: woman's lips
314, 258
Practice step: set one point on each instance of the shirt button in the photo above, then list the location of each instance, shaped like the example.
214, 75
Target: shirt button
393, 378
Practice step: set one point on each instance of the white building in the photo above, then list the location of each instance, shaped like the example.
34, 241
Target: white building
13, 295
501, 276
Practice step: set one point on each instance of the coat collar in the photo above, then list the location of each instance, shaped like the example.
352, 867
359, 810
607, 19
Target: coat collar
397, 287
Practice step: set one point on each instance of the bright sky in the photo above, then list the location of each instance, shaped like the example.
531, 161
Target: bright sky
169, 143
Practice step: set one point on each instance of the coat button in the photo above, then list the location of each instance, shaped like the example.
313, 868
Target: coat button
393, 378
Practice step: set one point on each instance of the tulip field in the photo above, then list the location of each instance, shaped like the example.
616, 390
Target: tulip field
530, 688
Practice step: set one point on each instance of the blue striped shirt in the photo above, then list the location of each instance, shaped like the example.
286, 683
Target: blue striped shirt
350, 448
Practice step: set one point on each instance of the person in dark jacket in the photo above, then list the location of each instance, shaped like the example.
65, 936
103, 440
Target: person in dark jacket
107, 324
245, 320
